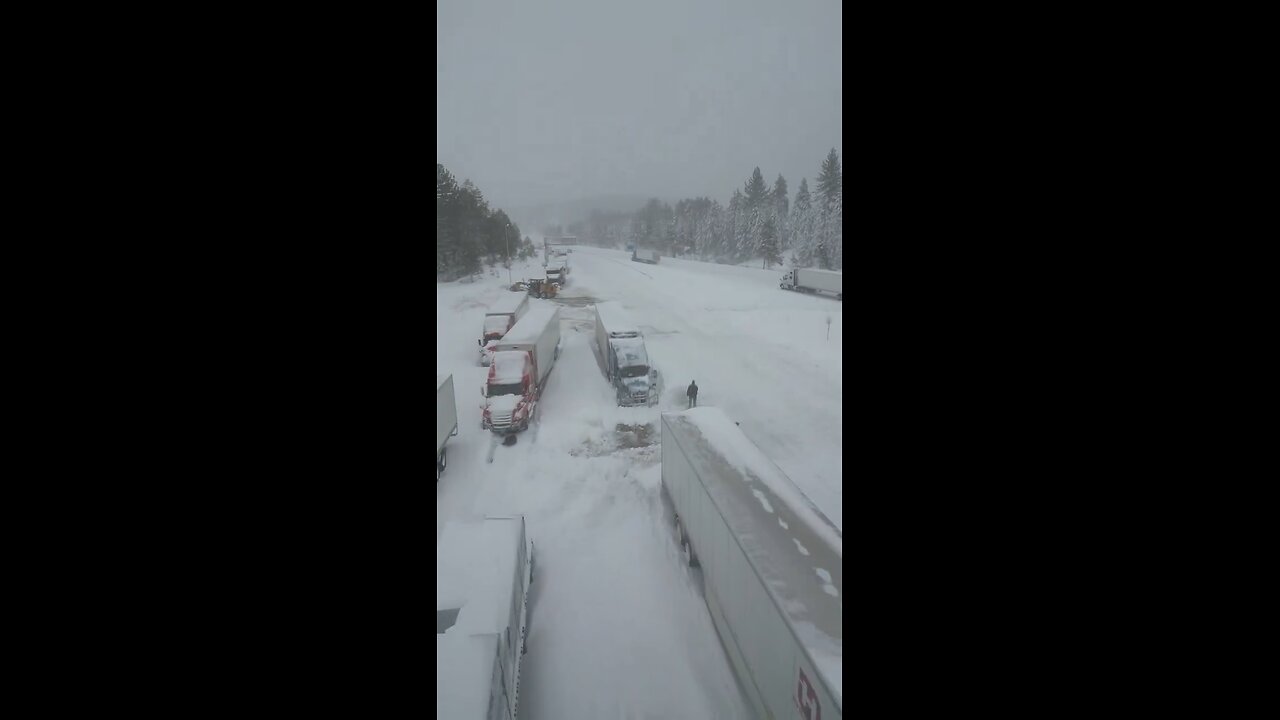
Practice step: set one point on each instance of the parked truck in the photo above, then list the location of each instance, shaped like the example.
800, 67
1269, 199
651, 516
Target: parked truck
522, 359
626, 360
557, 267
446, 420
644, 255
812, 281
498, 319
771, 563
483, 572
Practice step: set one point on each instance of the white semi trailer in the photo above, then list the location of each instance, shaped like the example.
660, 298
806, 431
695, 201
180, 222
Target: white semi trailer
521, 361
446, 419
645, 255
812, 281
771, 562
483, 572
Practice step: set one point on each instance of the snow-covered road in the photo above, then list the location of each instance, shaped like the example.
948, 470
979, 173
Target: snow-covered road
618, 626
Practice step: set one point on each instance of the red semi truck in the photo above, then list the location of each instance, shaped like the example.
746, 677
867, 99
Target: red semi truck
522, 359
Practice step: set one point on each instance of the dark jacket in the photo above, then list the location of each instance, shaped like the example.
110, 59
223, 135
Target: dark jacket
692, 391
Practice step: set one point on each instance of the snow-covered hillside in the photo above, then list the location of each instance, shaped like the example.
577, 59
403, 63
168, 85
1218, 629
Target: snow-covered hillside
618, 626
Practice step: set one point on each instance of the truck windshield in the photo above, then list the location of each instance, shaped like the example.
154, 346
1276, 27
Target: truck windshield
508, 389
634, 371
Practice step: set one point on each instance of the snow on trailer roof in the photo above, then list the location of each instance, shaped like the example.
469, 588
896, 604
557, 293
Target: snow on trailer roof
476, 577
506, 303
616, 320
508, 367
476, 572
630, 351
794, 547
464, 666
530, 326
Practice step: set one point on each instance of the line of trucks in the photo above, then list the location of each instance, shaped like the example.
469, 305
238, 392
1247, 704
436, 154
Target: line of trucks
772, 565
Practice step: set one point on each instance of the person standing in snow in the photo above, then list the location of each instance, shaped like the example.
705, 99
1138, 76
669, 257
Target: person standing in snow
692, 392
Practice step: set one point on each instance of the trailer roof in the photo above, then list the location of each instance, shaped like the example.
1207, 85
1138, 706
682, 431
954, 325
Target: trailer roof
476, 572
464, 670
615, 318
529, 328
630, 351
507, 303
835, 273
508, 366
796, 551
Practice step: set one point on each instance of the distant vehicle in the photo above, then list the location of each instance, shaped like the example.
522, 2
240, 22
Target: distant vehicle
446, 420
771, 563
630, 247
557, 267
483, 573
626, 360
812, 281
498, 319
521, 362
645, 255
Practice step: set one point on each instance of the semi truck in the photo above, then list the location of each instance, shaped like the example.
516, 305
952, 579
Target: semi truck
498, 319
626, 361
522, 359
771, 563
812, 281
483, 572
557, 267
644, 255
446, 419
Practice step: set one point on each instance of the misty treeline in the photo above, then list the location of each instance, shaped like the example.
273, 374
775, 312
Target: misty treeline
761, 222
469, 233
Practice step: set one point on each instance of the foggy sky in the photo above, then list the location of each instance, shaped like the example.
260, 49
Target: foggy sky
558, 100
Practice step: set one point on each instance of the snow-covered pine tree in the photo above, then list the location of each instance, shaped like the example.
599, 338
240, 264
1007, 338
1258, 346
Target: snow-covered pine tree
802, 236
754, 191
828, 221
781, 210
769, 244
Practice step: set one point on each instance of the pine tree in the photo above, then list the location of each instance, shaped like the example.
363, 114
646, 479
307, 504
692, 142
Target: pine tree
829, 181
802, 236
769, 245
781, 210
830, 203
754, 191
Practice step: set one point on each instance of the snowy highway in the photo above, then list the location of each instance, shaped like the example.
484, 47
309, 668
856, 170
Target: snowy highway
618, 627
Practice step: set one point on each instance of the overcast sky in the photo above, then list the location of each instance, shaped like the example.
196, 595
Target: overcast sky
558, 100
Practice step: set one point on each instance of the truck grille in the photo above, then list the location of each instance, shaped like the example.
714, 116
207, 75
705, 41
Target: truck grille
498, 420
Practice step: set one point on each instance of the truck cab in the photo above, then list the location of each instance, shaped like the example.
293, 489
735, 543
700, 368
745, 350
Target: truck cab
633, 379
509, 398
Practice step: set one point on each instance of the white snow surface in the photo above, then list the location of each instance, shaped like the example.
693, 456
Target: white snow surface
618, 625
509, 366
